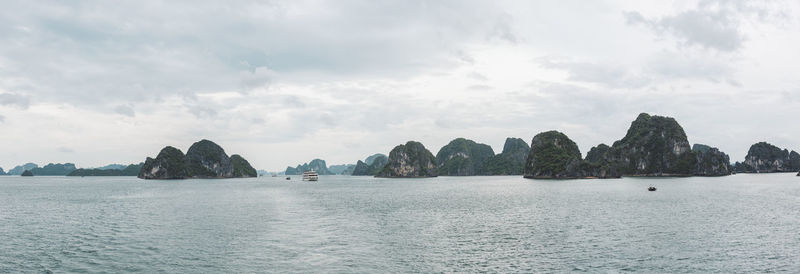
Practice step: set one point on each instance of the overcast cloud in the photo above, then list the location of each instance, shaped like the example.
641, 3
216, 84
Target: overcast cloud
283, 82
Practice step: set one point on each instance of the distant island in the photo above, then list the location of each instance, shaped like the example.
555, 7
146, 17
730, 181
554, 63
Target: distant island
204, 159
112, 170
371, 166
317, 165
18, 170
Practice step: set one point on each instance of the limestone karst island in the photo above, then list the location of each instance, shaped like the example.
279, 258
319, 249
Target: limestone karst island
204, 159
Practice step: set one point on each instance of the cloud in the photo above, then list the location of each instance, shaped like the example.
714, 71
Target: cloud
125, 110
13, 99
607, 74
711, 24
708, 29
65, 150
2, 118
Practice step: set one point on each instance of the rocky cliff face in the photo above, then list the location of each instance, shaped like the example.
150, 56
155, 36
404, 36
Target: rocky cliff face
598, 164
317, 165
169, 164
653, 146
512, 160
371, 166
2, 172
463, 157
553, 156
204, 159
27, 173
765, 158
409, 161
710, 161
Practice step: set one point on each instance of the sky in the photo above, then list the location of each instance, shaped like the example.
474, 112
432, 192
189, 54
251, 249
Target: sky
284, 82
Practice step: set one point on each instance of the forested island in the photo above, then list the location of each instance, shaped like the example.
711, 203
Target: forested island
130, 170
204, 159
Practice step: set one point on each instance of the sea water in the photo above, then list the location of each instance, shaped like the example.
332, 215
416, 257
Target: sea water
740, 223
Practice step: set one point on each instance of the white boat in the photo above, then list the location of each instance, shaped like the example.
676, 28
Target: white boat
310, 176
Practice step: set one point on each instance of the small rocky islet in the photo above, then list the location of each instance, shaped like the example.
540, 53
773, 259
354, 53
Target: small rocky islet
204, 159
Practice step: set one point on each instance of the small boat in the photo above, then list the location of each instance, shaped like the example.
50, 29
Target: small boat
288, 178
651, 188
310, 176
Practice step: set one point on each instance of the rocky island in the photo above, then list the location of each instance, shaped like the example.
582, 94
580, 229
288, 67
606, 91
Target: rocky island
53, 169
27, 173
512, 160
463, 157
317, 165
653, 146
371, 166
204, 159
411, 160
763, 157
553, 156
130, 170
18, 170
710, 161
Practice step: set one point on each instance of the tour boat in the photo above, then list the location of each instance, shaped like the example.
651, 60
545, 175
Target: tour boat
310, 176
651, 188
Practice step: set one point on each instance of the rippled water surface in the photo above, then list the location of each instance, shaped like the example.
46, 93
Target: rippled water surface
741, 223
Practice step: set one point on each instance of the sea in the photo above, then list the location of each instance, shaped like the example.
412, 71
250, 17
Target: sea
347, 224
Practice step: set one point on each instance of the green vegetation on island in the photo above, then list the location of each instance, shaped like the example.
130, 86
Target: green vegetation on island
241, 167
204, 159
553, 155
710, 161
653, 146
512, 160
463, 157
411, 160
129, 170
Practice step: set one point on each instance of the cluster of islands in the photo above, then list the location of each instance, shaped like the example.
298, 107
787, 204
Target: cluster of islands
654, 146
